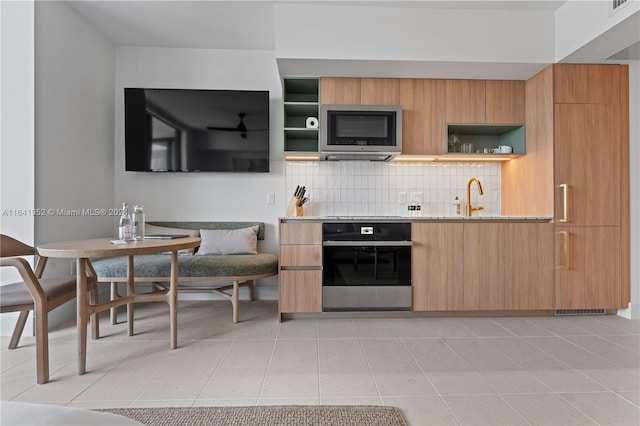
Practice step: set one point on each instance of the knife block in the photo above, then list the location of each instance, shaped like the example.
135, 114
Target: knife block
293, 209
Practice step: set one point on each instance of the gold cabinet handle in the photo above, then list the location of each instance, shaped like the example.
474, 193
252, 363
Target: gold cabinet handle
565, 202
565, 237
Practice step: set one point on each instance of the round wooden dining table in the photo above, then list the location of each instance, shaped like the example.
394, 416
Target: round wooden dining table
84, 250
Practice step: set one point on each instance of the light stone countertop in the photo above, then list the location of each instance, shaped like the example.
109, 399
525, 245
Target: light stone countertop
417, 219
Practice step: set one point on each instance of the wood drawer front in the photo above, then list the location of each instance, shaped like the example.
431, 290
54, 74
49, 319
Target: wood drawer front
301, 255
300, 291
301, 233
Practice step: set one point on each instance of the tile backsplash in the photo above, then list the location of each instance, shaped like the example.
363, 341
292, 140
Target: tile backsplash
362, 188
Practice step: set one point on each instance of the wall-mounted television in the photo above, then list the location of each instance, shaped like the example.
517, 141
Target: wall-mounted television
187, 130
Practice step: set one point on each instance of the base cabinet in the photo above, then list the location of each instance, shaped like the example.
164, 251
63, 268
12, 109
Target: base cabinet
436, 267
300, 277
529, 266
300, 291
588, 274
508, 266
482, 266
485, 279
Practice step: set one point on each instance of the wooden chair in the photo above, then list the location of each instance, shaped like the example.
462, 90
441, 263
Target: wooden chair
37, 294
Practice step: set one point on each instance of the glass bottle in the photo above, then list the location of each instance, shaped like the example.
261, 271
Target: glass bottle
124, 227
137, 223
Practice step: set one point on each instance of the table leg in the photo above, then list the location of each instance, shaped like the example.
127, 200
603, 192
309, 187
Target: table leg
81, 279
173, 299
130, 274
93, 301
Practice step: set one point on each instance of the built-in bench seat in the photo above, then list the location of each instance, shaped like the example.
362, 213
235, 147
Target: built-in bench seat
239, 269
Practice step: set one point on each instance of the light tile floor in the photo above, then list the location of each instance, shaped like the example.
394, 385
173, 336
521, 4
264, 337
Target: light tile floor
526, 370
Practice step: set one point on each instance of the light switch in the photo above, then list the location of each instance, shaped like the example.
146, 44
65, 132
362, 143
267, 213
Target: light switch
271, 197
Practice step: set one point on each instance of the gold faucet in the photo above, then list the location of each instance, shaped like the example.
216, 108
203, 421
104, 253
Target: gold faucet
470, 209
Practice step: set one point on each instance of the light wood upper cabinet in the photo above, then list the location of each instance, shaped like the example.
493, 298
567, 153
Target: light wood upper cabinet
340, 90
588, 163
603, 84
589, 267
505, 102
581, 84
465, 101
423, 116
570, 83
528, 181
436, 266
380, 91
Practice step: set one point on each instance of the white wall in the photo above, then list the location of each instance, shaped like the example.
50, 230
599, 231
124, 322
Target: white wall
634, 178
405, 33
74, 122
16, 132
74, 78
57, 129
578, 22
588, 32
17, 149
204, 196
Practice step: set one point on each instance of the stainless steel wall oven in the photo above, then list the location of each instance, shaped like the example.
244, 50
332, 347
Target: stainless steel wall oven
366, 266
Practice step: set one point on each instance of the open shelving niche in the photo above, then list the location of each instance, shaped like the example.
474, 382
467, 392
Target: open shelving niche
301, 100
489, 136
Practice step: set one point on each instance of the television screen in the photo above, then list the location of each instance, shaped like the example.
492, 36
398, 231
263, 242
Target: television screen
185, 130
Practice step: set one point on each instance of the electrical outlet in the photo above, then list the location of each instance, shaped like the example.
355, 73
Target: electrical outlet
271, 197
402, 197
416, 196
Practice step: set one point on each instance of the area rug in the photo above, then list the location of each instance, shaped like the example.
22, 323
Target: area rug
284, 415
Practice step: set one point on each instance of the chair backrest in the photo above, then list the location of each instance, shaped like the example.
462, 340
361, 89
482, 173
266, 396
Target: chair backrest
10, 247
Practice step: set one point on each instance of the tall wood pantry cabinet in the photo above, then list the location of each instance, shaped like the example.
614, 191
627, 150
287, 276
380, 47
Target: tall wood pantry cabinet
584, 111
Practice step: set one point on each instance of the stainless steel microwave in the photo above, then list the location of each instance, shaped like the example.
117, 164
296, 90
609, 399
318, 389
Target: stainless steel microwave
367, 132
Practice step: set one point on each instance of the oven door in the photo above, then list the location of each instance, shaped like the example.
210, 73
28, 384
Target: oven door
371, 275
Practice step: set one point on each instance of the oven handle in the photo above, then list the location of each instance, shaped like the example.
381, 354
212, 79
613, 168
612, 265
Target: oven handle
367, 243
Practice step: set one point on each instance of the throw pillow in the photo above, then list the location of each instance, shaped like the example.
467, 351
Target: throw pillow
229, 241
153, 229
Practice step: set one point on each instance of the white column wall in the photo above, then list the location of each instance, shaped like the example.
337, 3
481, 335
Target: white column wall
634, 178
16, 133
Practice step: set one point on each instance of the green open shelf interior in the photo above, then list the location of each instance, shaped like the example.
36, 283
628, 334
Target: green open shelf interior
296, 113
490, 135
301, 90
301, 140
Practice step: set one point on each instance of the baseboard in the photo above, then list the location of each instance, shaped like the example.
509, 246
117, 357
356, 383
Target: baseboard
632, 312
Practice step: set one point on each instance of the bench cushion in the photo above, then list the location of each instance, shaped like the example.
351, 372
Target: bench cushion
159, 265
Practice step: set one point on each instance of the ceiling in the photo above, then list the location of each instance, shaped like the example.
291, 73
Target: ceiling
250, 25
225, 24
183, 24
